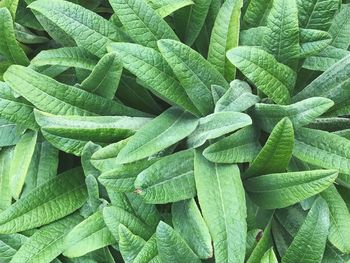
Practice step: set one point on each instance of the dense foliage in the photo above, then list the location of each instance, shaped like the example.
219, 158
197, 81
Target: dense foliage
160, 131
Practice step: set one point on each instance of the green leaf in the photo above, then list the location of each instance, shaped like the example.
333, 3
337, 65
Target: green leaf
122, 177
309, 243
339, 231
238, 97
300, 113
88, 29
165, 130
257, 13
325, 59
189, 21
269, 76
26, 36
269, 257
277, 151
171, 247
149, 252
240, 147
135, 16
189, 223
280, 190
9, 245
47, 243
16, 110
216, 125
51, 96
91, 234
222, 201
225, 36
9, 133
316, 14
313, 41
264, 243
332, 84
283, 40
6, 156
150, 67
51, 201
20, 162
67, 57
11, 6
71, 133
113, 216
322, 149
105, 76
9, 47
165, 8
129, 244
168, 180
340, 28
43, 166
194, 72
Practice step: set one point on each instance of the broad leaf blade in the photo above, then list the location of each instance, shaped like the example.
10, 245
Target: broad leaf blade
280, 190
222, 201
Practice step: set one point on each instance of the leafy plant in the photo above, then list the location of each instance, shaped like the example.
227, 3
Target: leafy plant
159, 131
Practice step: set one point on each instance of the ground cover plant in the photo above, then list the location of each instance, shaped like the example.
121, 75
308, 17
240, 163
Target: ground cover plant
159, 131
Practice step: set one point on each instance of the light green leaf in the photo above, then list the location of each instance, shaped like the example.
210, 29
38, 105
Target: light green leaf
283, 40
10, 133
300, 113
309, 243
16, 110
88, 29
339, 231
216, 125
150, 67
280, 190
322, 149
67, 57
47, 243
313, 41
141, 22
26, 36
9, 47
105, 158
6, 156
129, 244
277, 151
225, 36
189, 223
316, 14
71, 133
105, 76
20, 162
269, 257
43, 166
271, 77
253, 36
11, 5
194, 72
165, 130
340, 28
217, 92
240, 147
113, 216
168, 180
325, 59
91, 234
149, 252
51, 96
238, 97
190, 20
51, 201
222, 201
122, 177
257, 12
165, 8
171, 247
